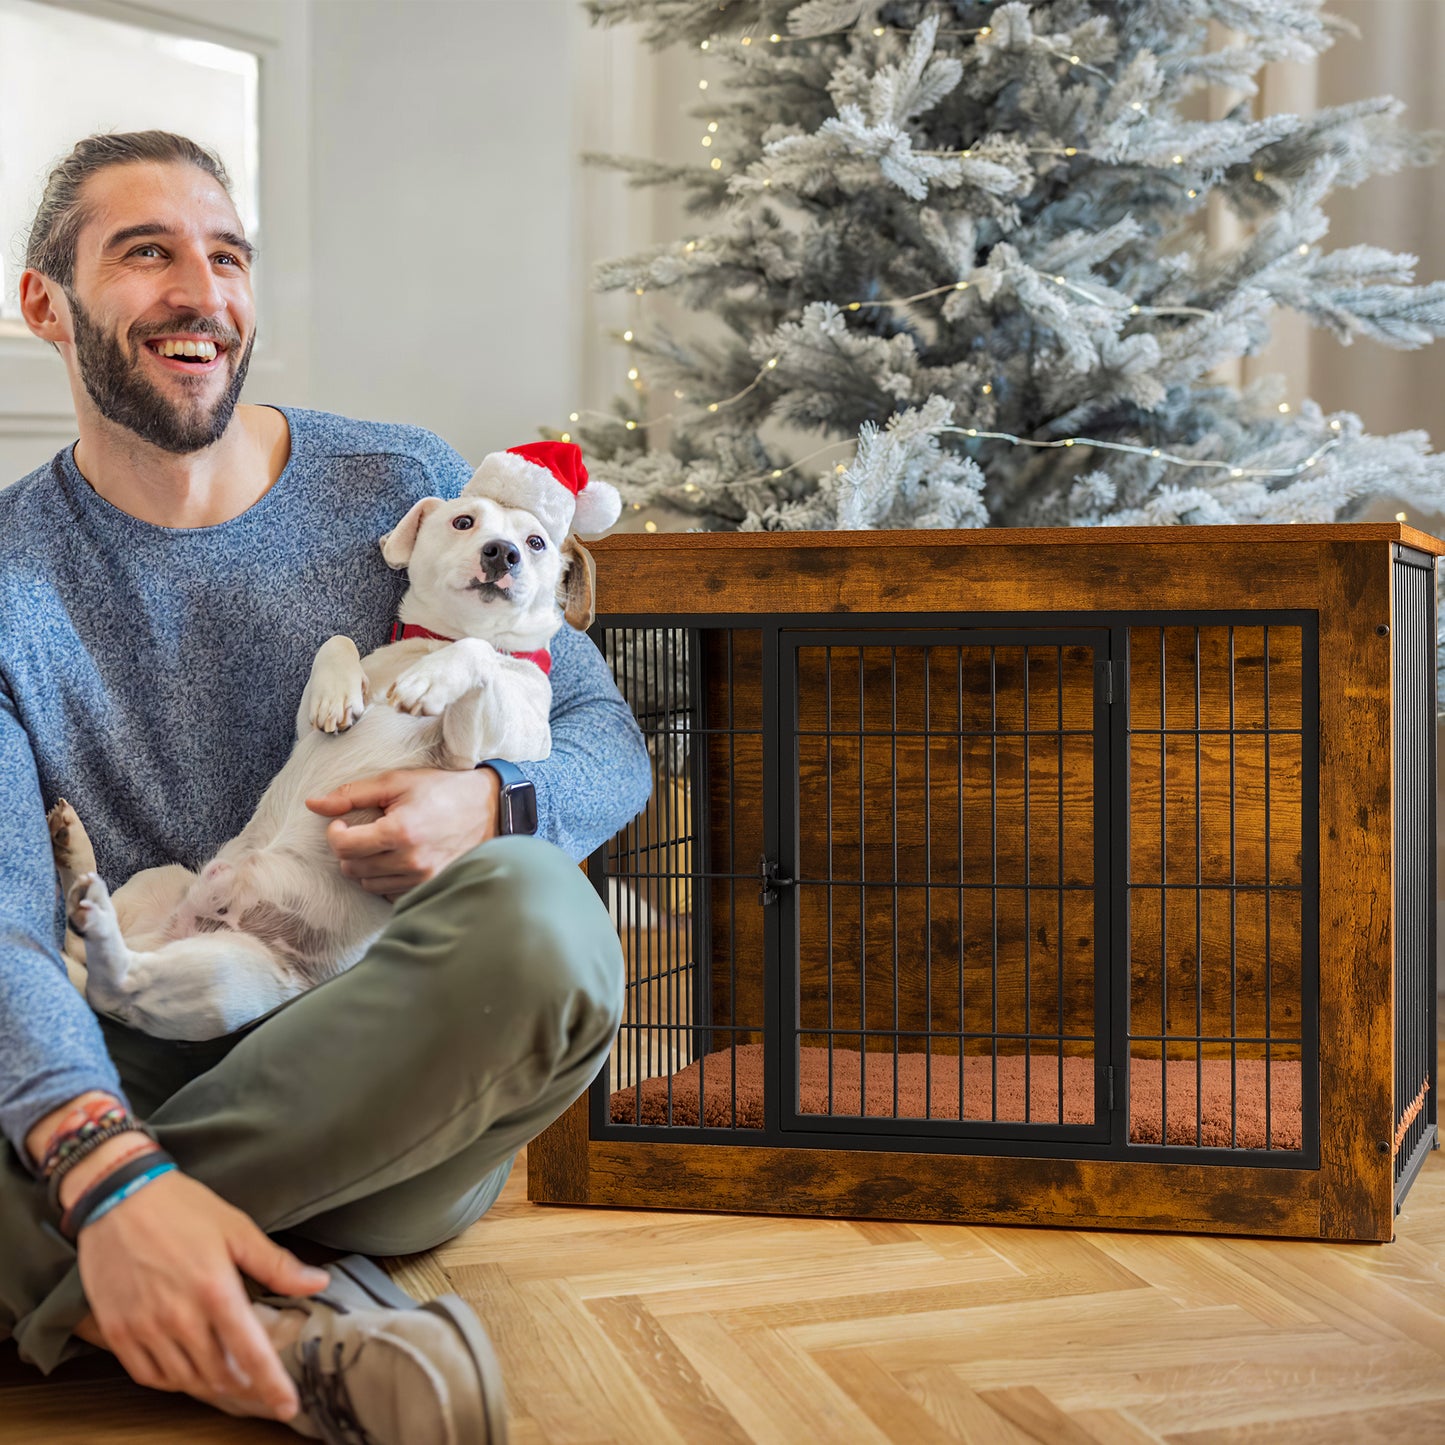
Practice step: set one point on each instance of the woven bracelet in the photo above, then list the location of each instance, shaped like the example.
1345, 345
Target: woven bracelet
89, 1145
74, 1217
109, 1203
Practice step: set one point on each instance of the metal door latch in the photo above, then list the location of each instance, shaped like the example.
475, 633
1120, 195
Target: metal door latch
771, 881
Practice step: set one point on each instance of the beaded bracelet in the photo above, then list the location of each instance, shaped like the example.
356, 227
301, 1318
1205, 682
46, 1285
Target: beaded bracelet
78, 1126
150, 1143
125, 1192
74, 1217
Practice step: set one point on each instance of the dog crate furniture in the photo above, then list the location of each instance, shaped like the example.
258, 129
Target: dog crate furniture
1078, 877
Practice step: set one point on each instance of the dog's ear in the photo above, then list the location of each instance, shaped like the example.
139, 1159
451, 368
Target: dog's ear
399, 543
580, 581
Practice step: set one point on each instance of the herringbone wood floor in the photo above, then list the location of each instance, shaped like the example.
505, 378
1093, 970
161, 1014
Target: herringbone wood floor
674, 1329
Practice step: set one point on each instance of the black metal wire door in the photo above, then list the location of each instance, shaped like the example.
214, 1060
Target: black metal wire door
941, 882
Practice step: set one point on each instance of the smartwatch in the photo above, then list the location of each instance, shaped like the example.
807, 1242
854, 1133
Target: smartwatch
517, 806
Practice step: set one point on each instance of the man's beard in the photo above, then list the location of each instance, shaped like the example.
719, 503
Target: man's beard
126, 397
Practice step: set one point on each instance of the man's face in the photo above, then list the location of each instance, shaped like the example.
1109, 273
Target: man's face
162, 260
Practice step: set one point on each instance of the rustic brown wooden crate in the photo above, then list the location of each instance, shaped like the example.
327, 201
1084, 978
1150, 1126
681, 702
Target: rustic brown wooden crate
1342, 573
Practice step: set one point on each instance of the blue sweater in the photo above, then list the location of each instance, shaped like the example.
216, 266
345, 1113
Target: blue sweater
151, 676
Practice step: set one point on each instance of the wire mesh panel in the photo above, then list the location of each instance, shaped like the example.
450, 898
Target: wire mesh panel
1415, 848
1221, 912
947, 964
681, 881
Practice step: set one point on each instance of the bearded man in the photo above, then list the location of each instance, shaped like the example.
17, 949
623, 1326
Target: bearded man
164, 585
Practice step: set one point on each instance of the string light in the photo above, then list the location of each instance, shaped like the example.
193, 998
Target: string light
1153, 452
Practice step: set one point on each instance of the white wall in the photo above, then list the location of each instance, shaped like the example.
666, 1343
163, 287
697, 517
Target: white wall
444, 285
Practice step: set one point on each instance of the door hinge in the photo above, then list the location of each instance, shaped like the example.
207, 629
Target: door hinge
1109, 1083
1109, 682
771, 881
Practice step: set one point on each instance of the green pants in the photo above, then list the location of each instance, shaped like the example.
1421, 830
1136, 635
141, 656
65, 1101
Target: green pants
380, 1111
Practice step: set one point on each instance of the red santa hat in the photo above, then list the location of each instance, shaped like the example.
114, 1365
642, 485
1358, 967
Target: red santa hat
548, 480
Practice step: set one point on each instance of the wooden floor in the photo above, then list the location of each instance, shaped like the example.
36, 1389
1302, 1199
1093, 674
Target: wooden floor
694, 1329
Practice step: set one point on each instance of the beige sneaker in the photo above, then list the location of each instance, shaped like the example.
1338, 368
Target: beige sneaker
372, 1367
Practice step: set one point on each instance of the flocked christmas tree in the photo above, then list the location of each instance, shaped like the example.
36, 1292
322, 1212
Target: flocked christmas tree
955, 252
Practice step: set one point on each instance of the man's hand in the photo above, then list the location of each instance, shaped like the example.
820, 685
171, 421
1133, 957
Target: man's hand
160, 1274
432, 816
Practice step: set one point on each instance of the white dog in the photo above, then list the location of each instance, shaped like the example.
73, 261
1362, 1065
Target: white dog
192, 956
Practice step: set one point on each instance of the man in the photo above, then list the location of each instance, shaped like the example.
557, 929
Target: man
163, 587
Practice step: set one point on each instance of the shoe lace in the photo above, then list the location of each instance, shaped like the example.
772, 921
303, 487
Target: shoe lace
325, 1398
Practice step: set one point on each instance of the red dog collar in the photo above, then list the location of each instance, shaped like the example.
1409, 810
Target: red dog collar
401, 631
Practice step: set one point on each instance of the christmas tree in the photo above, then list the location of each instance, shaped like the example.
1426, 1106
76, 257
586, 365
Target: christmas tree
952, 258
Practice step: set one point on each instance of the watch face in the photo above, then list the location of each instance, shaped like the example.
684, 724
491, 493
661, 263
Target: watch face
519, 808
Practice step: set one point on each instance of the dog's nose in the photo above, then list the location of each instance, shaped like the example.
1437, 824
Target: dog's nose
500, 555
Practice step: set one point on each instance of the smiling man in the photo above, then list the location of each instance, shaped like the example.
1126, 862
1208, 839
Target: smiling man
164, 585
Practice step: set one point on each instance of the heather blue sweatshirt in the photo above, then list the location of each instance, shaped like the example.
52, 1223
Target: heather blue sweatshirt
151, 675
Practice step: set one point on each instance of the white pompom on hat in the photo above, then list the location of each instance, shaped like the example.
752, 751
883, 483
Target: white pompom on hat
548, 480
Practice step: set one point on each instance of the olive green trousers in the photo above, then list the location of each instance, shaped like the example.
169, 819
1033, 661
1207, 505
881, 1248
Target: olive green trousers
379, 1112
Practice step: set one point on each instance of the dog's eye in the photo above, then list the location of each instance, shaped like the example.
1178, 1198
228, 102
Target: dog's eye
462, 524
536, 543
224, 908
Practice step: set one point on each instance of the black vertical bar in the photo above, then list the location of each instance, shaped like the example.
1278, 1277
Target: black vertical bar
1233, 924
1268, 888
1028, 900
862, 902
1059, 926
1113, 861
733, 886
1310, 842
993, 890
962, 892
776, 968
927, 891
699, 812
832, 873
893, 744
1163, 910
1198, 910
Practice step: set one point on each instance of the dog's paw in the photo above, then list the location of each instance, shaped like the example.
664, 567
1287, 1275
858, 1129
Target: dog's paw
64, 827
428, 687
337, 706
86, 901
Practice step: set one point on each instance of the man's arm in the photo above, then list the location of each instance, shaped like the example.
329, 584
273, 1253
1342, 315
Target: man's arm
598, 776
51, 1048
